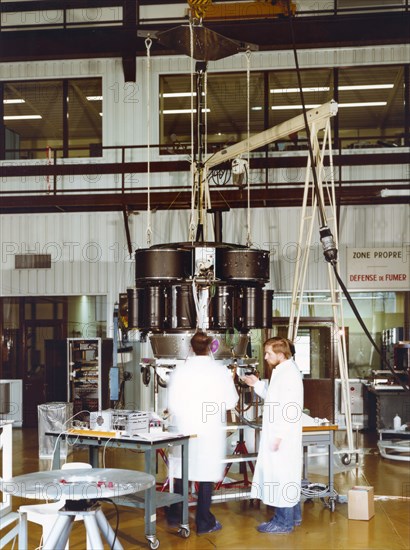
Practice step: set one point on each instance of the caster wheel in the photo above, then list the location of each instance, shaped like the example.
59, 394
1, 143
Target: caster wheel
346, 459
184, 533
332, 505
154, 544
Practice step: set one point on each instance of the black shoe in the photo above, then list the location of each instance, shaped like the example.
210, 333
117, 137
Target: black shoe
216, 527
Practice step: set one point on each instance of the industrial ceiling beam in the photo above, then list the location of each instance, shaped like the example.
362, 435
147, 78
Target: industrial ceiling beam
289, 196
268, 34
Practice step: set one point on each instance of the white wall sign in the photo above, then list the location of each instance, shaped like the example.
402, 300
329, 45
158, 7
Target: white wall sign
378, 268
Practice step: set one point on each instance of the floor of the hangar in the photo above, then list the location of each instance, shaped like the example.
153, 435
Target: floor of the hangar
321, 529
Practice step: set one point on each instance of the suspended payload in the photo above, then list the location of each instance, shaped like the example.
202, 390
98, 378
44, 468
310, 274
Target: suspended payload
218, 287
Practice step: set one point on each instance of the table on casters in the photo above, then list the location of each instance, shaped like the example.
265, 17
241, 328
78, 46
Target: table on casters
149, 446
82, 489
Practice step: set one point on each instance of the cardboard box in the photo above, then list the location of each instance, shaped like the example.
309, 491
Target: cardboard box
360, 502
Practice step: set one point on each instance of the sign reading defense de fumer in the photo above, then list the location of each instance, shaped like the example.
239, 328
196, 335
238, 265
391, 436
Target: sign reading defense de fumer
378, 268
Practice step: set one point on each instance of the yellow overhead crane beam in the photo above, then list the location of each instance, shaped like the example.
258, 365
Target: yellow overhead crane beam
208, 10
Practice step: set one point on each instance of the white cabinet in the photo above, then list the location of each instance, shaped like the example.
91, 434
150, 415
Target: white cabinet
11, 407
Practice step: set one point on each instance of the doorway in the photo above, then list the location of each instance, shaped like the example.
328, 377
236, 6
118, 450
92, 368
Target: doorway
316, 349
36, 333
27, 326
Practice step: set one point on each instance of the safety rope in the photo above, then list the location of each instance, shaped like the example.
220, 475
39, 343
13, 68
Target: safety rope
193, 221
248, 86
148, 44
207, 196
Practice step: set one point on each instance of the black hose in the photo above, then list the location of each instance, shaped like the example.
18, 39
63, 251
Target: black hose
326, 237
365, 329
117, 523
307, 129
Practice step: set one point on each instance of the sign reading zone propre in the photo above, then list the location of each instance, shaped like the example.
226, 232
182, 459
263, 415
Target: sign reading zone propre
378, 268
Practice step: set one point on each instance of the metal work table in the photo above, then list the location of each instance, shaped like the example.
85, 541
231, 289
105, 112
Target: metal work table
82, 489
150, 446
320, 435
311, 435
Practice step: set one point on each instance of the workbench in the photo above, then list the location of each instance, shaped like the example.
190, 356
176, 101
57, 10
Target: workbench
319, 435
149, 446
311, 435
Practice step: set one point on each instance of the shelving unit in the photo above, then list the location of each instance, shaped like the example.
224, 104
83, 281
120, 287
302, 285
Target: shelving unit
87, 380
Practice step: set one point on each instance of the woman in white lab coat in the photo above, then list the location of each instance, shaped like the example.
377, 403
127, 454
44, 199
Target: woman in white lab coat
278, 471
200, 392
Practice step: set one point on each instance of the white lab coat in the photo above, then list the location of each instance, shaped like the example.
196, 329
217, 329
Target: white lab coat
277, 476
200, 392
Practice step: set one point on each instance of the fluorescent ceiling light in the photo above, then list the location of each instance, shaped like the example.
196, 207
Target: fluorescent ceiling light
181, 94
13, 101
288, 107
297, 90
327, 88
364, 104
359, 104
22, 117
182, 111
367, 87
394, 193
94, 97
257, 108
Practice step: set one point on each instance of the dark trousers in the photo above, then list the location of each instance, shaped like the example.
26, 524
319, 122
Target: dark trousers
205, 520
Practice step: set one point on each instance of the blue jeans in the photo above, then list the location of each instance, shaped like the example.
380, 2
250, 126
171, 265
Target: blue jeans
297, 514
288, 517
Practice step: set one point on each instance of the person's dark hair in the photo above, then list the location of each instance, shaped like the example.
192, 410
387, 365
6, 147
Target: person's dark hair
200, 343
280, 345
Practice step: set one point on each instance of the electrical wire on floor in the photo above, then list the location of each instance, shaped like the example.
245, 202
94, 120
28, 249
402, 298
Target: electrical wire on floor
117, 522
317, 490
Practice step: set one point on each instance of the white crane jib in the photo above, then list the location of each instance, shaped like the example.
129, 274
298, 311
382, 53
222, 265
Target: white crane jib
317, 116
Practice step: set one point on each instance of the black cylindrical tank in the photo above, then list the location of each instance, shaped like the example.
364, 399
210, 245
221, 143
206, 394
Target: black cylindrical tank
222, 307
162, 264
185, 306
168, 310
135, 296
267, 304
252, 307
154, 308
243, 264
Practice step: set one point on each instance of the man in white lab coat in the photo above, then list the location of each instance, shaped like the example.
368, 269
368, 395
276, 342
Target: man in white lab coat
278, 471
200, 392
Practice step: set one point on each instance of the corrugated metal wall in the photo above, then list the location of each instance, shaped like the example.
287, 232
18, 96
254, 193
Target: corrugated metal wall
90, 256
89, 250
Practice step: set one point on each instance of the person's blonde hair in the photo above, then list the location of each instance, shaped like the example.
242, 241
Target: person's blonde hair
279, 345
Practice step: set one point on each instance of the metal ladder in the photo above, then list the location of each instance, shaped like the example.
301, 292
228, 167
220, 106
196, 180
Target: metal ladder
314, 198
